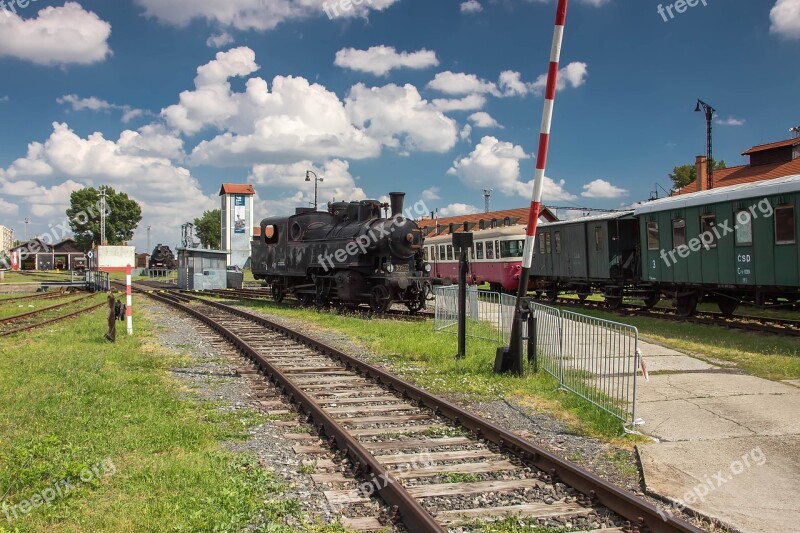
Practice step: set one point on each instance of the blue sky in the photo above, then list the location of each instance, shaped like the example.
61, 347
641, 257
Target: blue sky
166, 100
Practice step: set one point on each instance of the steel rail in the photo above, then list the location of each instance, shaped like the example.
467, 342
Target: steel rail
38, 296
52, 320
641, 514
411, 512
42, 310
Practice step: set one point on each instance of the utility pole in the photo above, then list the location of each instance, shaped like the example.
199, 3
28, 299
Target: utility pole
27, 221
709, 152
148, 239
487, 199
103, 196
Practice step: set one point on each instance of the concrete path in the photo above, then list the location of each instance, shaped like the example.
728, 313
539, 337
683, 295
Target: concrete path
729, 444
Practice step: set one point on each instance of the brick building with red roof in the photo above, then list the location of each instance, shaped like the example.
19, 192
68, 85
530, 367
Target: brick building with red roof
767, 161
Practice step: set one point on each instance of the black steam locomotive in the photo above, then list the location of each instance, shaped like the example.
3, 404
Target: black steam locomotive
347, 256
162, 259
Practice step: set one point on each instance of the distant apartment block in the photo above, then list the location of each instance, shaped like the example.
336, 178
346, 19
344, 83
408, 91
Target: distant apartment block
6, 240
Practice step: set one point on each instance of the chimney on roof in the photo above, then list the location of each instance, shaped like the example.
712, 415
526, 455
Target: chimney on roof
701, 169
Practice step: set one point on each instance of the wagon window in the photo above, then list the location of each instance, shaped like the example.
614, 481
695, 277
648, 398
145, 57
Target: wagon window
489, 250
785, 225
678, 232
449, 252
652, 236
558, 242
425, 254
707, 223
598, 238
442, 253
479, 250
548, 243
541, 243
512, 248
497, 249
270, 234
744, 228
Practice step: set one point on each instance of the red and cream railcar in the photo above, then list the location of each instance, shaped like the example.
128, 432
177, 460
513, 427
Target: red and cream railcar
495, 258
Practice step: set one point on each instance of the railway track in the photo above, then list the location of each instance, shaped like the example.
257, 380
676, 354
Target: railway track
38, 296
434, 464
776, 326
28, 321
256, 295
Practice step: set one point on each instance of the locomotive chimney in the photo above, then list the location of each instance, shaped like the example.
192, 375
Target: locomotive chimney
397, 199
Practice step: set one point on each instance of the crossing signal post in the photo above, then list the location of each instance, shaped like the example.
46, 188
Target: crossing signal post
510, 359
462, 242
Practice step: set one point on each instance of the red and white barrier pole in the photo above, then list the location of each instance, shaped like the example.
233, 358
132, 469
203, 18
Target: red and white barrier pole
128, 300
511, 359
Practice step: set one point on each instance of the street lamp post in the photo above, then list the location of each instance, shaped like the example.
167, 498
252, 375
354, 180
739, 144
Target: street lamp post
709, 111
103, 197
316, 181
27, 221
148, 239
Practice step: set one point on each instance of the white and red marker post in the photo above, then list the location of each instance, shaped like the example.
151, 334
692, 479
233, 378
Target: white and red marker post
128, 300
510, 359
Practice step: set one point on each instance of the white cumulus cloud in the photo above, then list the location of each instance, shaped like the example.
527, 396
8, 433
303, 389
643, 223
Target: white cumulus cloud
57, 36
258, 15
219, 40
287, 185
730, 121
380, 60
44, 178
458, 209
482, 119
573, 75
602, 189
496, 164
471, 6
399, 117
785, 18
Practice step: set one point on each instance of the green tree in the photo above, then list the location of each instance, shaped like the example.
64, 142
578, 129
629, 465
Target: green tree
122, 216
684, 175
209, 229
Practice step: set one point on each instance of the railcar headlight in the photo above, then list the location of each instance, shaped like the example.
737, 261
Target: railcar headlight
389, 268
427, 267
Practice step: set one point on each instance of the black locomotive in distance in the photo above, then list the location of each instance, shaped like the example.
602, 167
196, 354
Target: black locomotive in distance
348, 255
162, 259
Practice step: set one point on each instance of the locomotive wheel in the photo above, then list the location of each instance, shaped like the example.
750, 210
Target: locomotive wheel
686, 305
305, 299
380, 299
416, 306
652, 299
277, 293
727, 305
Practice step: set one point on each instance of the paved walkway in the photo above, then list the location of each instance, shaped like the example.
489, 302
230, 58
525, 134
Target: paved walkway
729, 444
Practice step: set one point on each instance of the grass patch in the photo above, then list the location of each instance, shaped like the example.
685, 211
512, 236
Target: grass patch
766, 356
70, 401
428, 359
513, 524
308, 468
